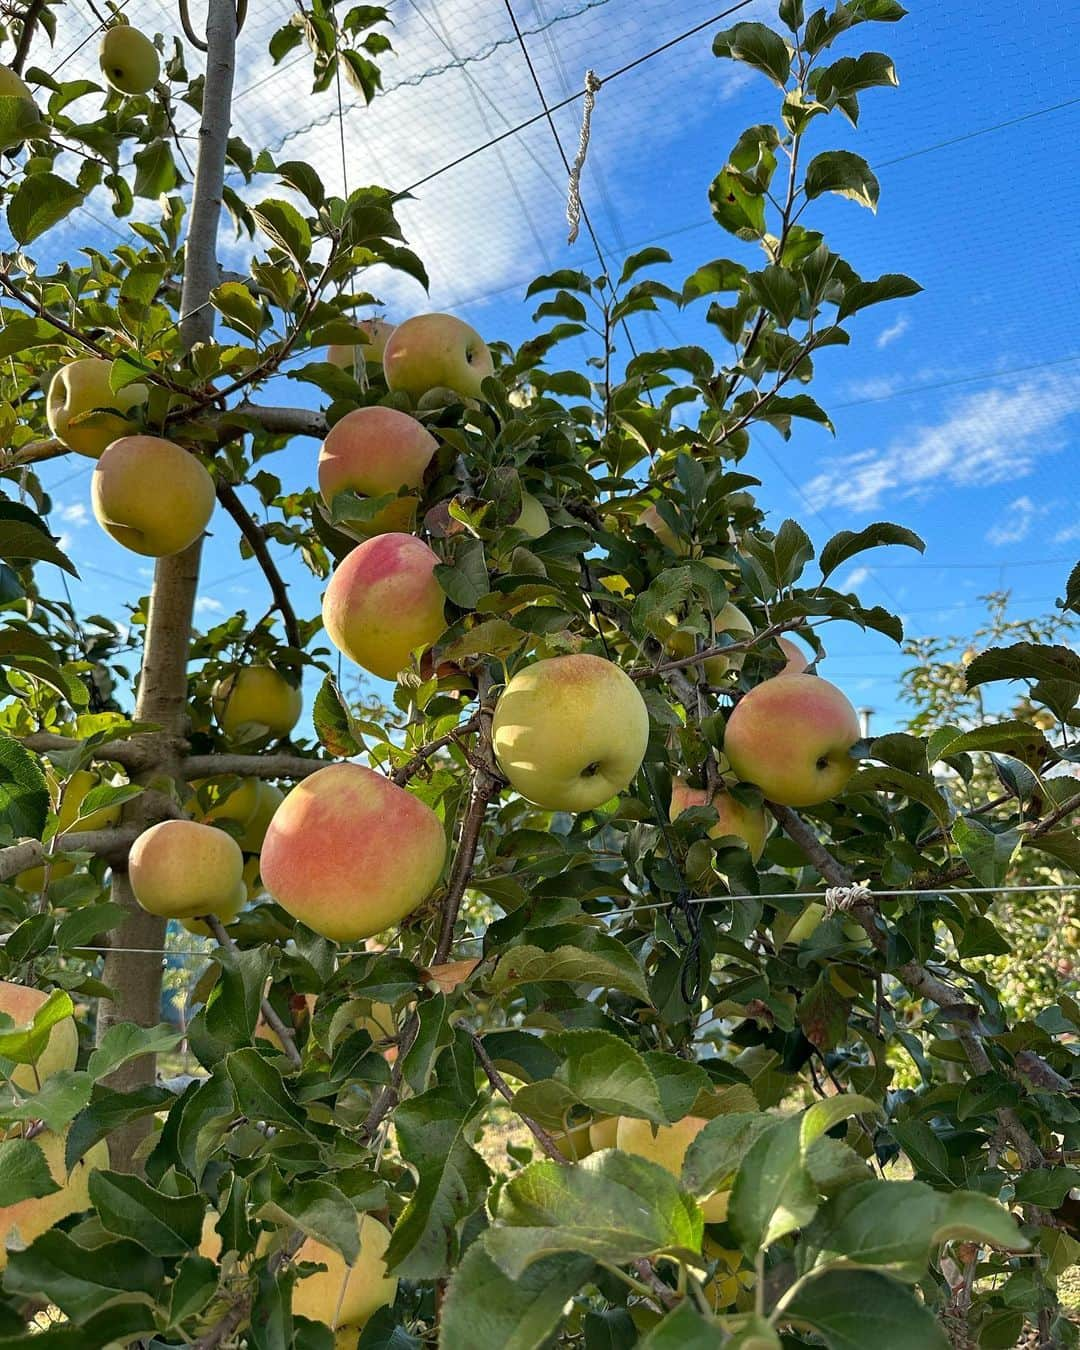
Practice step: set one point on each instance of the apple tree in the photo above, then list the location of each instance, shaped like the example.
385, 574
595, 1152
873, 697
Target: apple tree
603, 989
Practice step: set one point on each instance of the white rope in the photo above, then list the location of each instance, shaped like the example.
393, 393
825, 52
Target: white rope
573, 192
843, 899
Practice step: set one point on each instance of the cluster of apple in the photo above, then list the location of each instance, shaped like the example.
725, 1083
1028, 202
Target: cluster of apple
129, 62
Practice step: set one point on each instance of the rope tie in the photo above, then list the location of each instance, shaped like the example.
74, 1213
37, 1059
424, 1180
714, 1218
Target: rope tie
843, 899
573, 194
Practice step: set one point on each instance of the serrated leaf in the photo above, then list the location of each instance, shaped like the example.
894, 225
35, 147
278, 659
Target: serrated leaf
81, 1281
989, 853
320, 1210
22, 541
164, 1225
851, 1309
848, 543
486, 1310
333, 721
599, 1070
912, 786
719, 1149
285, 225
740, 212
573, 955
24, 1172
39, 202
1047, 1187
1016, 738
612, 1206
1024, 661
125, 1041
861, 294
759, 46
846, 174
24, 794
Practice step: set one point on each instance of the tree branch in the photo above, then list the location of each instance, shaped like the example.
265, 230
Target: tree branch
113, 844
33, 452
284, 1034
727, 649
251, 766
413, 766
499, 1083
915, 975
278, 421
135, 754
29, 17
248, 527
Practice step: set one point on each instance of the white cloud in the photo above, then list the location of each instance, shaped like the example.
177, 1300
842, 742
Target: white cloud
894, 331
72, 513
855, 578
206, 604
1068, 535
1016, 522
996, 435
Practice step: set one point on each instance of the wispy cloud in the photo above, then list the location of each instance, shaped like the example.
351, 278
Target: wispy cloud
206, 604
72, 513
894, 331
855, 578
1068, 535
993, 436
1016, 522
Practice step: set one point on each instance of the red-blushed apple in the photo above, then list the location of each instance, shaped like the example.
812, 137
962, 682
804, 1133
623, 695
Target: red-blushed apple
383, 603
667, 1145
796, 660
570, 732
26, 1220
350, 854
151, 495
25, 119
129, 60
370, 352
84, 412
432, 351
374, 451
61, 1051
790, 736
256, 704
180, 869
748, 823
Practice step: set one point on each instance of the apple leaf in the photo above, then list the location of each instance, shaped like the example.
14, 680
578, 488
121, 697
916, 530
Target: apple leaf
24, 1172
487, 1310
847, 543
851, 1309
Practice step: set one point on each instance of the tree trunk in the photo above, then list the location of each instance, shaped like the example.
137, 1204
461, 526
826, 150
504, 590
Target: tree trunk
135, 975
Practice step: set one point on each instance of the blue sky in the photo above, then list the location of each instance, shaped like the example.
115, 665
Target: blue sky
957, 412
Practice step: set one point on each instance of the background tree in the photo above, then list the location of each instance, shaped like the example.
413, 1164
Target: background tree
584, 579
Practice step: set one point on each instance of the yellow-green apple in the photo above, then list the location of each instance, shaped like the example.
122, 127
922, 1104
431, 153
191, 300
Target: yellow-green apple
570, 732
666, 1145
533, 520
383, 603
256, 704
574, 1143
84, 412
791, 736
374, 451
730, 620
346, 1296
67, 819
349, 853
604, 1133
151, 495
431, 351
23, 116
346, 355
26, 1220
748, 823
129, 60
806, 923
61, 1051
252, 806
795, 659
226, 912
181, 869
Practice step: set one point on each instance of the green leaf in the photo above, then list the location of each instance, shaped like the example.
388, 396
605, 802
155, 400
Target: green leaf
823, 1014
571, 954
239, 308
1072, 585
155, 170
759, 46
846, 174
646, 257
28, 540
465, 580
564, 279
24, 333
20, 118
1063, 845
715, 277
613, 1206
848, 543
434, 1133
334, 722
791, 14
26, 1044
989, 853
40, 201
260, 1089
24, 1173
1024, 661
487, 1310
59, 1101
1047, 1187
81, 1281
718, 1151
319, 1209
125, 1041
1016, 738
286, 227
860, 295
851, 1309
599, 1070
776, 290
910, 785
24, 794
165, 1225
740, 212
107, 1111
687, 1329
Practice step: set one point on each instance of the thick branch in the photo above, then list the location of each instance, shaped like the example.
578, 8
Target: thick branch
29, 20
284, 1034
915, 975
33, 452
251, 766
134, 754
249, 528
278, 421
113, 844
498, 1082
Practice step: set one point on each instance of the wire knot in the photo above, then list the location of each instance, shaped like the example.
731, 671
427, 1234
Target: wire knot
573, 193
843, 899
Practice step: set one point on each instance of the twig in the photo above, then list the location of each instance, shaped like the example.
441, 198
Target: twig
284, 1034
29, 17
413, 766
235, 1317
498, 1082
248, 527
726, 649
1067, 807
485, 784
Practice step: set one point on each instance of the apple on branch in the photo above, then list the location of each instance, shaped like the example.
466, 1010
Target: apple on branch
790, 736
181, 869
436, 351
129, 60
570, 732
151, 495
85, 412
373, 452
734, 819
256, 704
68, 819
